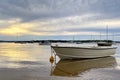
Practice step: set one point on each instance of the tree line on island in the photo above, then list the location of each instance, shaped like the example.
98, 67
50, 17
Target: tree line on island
61, 41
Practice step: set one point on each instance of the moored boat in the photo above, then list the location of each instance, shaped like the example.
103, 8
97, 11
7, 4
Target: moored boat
45, 43
83, 52
104, 43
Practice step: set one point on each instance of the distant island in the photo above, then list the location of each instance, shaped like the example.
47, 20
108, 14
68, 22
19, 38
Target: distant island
56, 41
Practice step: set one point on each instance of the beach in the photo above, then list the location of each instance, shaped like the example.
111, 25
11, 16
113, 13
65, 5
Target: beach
31, 62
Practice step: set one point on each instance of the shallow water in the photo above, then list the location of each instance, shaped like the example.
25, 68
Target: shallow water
31, 62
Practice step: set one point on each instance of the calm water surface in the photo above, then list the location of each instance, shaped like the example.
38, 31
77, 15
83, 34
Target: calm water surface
31, 62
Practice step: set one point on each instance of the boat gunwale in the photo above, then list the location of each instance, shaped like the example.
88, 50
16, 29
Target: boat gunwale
90, 48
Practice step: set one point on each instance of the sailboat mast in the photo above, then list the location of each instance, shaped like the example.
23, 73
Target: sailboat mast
107, 32
113, 37
100, 36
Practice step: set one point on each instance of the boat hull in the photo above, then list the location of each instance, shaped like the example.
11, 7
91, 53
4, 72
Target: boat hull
83, 52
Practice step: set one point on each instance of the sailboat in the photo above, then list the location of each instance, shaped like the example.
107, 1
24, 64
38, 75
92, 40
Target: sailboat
107, 42
104, 43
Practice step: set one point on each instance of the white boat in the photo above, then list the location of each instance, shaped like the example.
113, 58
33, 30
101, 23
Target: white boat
77, 67
44, 43
83, 52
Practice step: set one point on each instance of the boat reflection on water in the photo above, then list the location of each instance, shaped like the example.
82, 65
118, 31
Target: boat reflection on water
76, 67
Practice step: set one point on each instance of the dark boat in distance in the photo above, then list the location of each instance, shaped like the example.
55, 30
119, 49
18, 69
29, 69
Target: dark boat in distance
104, 43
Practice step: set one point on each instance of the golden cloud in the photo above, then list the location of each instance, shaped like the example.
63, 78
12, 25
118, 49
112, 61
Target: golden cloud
17, 29
53, 27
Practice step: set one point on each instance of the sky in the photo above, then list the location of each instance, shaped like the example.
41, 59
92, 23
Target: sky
59, 19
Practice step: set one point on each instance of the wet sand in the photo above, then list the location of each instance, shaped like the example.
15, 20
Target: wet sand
37, 74
102, 74
18, 62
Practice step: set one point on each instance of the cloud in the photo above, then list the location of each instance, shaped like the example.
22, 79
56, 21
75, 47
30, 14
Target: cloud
29, 10
16, 28
74, 25
58, 17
